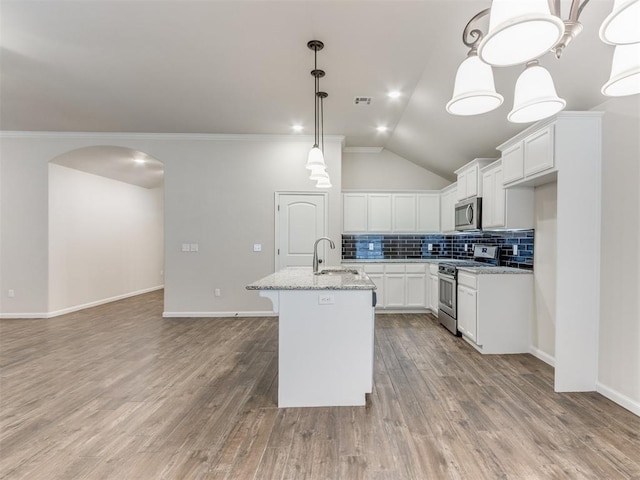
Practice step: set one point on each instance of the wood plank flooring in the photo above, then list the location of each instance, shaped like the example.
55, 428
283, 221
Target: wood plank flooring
118, 392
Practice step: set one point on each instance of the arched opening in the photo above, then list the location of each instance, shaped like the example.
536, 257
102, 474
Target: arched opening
106, 229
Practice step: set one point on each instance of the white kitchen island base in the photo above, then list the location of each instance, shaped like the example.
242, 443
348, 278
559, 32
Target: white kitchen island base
325, 351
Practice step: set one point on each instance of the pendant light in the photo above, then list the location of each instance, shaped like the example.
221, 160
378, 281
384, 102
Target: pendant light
519, 31
625, 72
535, 96
316, 157
622, 25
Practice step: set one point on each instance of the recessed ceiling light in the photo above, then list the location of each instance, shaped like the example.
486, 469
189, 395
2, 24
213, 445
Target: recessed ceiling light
297, 128
382, 128
394, 94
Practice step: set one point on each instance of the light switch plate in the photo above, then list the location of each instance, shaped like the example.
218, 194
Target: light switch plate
257, 247
185, 247
194, 247
325, 299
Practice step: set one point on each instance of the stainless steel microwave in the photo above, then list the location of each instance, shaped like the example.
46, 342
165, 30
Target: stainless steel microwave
469, 214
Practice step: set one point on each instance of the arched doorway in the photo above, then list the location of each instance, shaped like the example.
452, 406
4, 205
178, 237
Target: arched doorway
106, 226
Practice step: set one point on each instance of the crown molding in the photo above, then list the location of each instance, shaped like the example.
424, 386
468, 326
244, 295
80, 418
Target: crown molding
362, 149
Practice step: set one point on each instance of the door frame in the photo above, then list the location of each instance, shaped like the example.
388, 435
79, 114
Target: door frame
276, 217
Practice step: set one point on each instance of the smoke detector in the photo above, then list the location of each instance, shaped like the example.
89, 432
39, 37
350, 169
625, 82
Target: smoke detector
362, 100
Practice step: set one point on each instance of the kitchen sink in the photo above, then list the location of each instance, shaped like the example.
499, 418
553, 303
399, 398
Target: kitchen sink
339, 271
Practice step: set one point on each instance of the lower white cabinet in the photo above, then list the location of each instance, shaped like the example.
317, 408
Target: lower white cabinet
399, 285
394, 286
434, 289
415, 282
495, 311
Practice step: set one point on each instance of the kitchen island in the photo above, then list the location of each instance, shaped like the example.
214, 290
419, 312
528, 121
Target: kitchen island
325, 335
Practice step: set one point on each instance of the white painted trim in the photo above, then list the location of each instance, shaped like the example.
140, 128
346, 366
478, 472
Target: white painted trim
362, 149
629, 403
218, 314
171, 136
76, 308
540, 355
22, 315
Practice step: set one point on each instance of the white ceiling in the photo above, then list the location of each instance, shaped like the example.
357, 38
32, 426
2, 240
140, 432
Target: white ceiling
243, 67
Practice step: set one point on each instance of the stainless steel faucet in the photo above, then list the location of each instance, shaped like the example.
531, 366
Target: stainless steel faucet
315, 252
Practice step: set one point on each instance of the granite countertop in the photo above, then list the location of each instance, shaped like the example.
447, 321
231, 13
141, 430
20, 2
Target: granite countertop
302, 278
491, 269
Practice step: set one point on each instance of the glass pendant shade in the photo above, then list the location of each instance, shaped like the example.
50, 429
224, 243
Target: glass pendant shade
519, 31
316, 158
625, 72
535, 97
324, 183
622, 25
474, 91
317, 173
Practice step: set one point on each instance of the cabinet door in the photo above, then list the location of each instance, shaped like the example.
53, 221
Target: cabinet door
488, 199
434, 293
428, 205
513, 163
467, 314
447, 212
472, 182
394, 290
354, 212
379, 212
404, 212
461, 192
538, 151
415, 290
499, 199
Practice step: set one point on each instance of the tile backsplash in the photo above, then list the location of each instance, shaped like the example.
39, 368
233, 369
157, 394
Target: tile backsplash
413, 247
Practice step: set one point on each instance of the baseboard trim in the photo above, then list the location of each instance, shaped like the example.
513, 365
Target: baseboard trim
13, 316
218, 314
77, 308
629, 403
540, 355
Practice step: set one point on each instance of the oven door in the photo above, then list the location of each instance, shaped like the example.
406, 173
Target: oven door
447, 301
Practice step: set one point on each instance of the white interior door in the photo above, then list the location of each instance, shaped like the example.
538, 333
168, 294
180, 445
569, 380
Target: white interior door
300, 221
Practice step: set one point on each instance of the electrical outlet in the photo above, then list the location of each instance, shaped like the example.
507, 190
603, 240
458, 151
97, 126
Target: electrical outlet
371, 246
11, 293
515, 249
257, 247
216, 292
430, 247
325, 299
466, 247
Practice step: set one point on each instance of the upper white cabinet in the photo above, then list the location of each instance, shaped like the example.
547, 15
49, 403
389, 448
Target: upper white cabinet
539, 151
447, 208
505, 208
379, 212
428, 212
469, 181
354, 212
404, 212
513, 163
398, 212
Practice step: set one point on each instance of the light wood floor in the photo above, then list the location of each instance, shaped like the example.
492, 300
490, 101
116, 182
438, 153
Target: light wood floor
118, 392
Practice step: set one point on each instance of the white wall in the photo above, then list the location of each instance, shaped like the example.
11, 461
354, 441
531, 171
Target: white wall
105, 239
544, 267
219, 193
619, 333
386, 171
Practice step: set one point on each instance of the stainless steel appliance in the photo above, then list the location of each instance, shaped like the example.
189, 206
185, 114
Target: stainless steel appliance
448, 283
468, 214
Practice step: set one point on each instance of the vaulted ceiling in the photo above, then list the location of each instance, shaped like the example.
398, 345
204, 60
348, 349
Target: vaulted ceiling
244, 67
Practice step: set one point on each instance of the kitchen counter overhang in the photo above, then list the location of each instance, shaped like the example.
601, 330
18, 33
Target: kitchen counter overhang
303, 278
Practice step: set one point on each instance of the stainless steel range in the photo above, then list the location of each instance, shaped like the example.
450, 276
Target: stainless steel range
448, 283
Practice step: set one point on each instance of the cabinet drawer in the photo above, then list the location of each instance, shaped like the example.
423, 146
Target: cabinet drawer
377, 268
467, 280
416, 268
394, 268
433, 268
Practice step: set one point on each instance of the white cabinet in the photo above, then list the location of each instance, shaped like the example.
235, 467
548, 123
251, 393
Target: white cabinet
404, 212
505, 208
394, 286
495, 311
447, 208
538, 151
401, 212
467, 307
513, 163
379, 212
376, 273
428, 212
415, 286
434, 289
469, 181
354, 212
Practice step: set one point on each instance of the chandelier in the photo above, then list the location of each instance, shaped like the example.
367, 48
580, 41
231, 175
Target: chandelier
520, 32
315, 161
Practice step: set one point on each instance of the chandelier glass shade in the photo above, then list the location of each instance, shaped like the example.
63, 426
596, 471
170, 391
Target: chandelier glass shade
535, 96
519, 31
474, 91
622, 25
625, 72
324, 183
318, 173
315, 158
